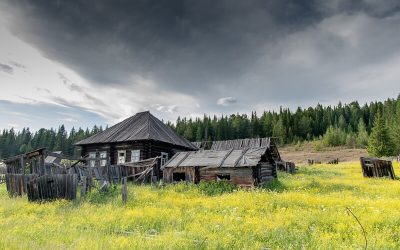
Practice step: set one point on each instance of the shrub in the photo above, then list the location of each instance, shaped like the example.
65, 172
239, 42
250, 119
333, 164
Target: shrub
274, 185
317, 145
216, 187
334, 136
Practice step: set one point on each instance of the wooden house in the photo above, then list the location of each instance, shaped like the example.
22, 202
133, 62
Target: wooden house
248, 162
137, 138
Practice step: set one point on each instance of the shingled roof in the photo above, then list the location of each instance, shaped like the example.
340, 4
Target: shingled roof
142, 126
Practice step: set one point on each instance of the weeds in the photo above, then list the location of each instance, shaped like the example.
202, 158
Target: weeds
307, 210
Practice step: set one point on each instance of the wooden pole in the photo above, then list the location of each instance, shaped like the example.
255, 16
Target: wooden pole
124, 190
83, 188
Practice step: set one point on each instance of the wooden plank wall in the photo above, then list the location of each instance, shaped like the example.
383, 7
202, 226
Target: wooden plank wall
191, 174
238, 176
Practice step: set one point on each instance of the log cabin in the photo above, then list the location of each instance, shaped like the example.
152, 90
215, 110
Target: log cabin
246, 163
137, 138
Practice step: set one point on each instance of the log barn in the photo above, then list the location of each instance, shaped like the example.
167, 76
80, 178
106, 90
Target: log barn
137, 138
247, 163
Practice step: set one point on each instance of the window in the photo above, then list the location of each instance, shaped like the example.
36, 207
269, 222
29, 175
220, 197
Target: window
164, 158
180, 176
223, 177
135, 157
92, 159
121, 156
103, 161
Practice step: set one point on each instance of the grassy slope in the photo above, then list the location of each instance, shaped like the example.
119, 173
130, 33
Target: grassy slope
307, 210
307, 150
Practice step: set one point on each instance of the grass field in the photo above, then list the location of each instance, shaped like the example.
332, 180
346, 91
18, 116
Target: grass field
303, 211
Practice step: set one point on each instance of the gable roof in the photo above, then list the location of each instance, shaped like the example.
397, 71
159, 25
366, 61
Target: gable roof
142, 126
217, 158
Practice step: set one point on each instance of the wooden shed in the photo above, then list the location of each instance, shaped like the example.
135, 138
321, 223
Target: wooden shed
234, 161
137, 138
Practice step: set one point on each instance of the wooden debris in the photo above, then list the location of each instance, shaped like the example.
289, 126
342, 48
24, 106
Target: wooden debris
288, 167
312, 162
334, 161
372, 167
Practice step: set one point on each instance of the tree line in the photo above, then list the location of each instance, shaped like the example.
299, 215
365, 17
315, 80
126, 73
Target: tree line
13, 143
375, 126
344, 124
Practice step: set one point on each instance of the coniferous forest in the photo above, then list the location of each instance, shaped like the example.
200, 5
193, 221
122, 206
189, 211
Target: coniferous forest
367, 126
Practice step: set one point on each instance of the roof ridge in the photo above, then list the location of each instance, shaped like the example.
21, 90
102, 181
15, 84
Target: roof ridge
141, 126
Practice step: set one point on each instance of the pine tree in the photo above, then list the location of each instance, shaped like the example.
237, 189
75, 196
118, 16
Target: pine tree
380, 142
396, 129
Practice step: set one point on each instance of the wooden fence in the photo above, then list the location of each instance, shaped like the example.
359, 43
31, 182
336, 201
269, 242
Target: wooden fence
17, 183
288, 167
372, 167
51, 187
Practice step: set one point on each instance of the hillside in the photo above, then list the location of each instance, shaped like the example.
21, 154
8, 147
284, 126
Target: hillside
303, 211
300, 155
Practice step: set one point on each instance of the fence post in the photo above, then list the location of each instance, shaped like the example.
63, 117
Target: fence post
84, 186
124, 190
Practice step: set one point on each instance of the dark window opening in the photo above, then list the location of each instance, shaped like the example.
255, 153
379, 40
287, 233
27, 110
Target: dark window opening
179, 177
223, 177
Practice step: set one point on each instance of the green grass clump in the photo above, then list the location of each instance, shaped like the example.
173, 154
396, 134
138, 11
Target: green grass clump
216, 187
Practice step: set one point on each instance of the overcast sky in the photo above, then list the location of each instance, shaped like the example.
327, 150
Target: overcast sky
86, 62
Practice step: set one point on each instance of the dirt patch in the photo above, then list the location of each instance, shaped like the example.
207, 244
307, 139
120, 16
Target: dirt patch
300, 155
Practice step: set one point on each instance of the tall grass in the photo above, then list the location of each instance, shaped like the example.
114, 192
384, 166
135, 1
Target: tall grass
302, 211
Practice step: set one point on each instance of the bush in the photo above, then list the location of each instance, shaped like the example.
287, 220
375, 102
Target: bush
351, 140
298, 146
216, 187
334, 136
274, 185
317, 145
100, 197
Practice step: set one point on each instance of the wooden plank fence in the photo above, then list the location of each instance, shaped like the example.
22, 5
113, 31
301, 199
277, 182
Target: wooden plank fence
51, 187
17, 183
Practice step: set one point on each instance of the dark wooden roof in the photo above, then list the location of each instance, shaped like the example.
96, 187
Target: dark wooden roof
142, 126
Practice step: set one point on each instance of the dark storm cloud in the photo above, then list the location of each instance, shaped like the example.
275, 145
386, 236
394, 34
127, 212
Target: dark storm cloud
6, 68
175, 42
252, 50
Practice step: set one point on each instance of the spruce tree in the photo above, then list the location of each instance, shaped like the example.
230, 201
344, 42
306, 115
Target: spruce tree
380, 142
396, 130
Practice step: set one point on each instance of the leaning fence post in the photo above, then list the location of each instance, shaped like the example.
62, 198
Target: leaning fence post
124, 190
84, 186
